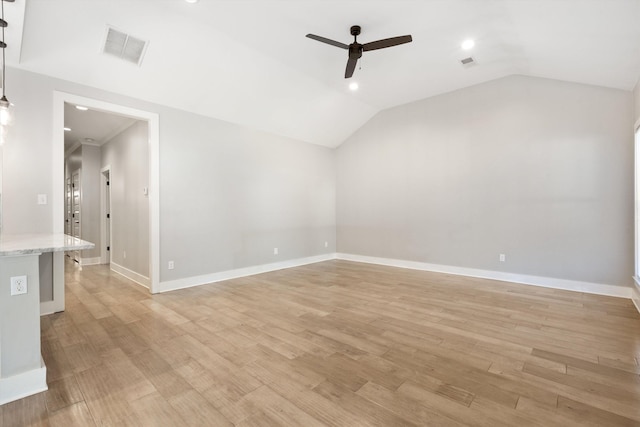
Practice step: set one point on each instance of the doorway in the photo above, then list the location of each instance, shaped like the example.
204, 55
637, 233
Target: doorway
152, 120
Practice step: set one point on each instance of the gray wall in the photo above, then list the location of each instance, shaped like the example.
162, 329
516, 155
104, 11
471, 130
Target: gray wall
87, 159
27, 155
72, 161
539, 170
247, 192
228, 194
128, 155
90, 205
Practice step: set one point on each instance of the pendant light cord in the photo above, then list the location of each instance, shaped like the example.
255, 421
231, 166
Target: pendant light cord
4, 47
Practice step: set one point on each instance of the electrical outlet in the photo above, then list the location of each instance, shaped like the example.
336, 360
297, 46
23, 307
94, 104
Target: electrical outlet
170, 265
326, 244
42, 199
18, 285
275, 251
503, 257
124, 254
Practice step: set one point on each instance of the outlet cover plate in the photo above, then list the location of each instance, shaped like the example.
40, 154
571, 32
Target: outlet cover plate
18, 285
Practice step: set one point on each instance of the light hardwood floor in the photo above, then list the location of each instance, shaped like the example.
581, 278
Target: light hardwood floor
335, 343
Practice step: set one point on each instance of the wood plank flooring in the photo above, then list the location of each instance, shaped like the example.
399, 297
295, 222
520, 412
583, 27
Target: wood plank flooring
339, 344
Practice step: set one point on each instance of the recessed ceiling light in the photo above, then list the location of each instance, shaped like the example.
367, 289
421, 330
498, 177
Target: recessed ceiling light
353, 86
191, 1
67, 129
468, 44
81, 108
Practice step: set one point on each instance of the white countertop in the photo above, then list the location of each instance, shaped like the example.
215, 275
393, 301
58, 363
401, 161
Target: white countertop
22, 244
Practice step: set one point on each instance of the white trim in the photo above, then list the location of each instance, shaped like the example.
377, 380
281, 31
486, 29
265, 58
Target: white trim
153, 120
154, 202
636, 172
47, 308
57, 202
546, 282
130, 274
189, 282
635, 293
24, 384
90, 261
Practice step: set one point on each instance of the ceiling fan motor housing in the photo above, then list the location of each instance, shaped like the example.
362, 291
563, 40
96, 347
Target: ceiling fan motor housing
355, 50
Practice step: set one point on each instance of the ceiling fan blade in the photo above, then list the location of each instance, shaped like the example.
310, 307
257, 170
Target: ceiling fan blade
381, 44
328, 41
351, 66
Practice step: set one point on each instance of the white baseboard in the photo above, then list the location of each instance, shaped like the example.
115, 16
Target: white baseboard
47, 307
546, 282
635, 293
90, 261
130, 274
24, 384
188, 282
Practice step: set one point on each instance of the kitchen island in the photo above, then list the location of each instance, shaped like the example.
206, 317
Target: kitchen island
22, 370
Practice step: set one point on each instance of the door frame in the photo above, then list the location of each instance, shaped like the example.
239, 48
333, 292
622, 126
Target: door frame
153, 121
105, 255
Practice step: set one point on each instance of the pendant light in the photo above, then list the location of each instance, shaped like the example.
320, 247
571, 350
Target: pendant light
5, 113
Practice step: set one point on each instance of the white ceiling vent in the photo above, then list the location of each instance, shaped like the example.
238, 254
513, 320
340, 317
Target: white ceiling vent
124, 46
468, 61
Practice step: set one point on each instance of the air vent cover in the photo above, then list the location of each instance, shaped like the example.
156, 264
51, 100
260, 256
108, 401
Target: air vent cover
124, 46
467, 61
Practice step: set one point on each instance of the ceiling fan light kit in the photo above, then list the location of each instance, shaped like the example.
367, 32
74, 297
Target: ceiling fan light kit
356, 49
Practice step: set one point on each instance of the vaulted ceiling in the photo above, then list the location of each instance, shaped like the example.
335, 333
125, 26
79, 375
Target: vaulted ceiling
248, 61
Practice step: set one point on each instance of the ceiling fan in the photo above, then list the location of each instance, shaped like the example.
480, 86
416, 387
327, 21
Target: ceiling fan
355, 49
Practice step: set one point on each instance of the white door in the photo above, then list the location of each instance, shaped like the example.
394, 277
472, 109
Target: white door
75, 211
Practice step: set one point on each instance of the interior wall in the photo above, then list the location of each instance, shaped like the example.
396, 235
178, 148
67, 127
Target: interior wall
90, 205
87, 159
128, 155
72, 162
236, 194
536, 169
27, 155
228, 195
